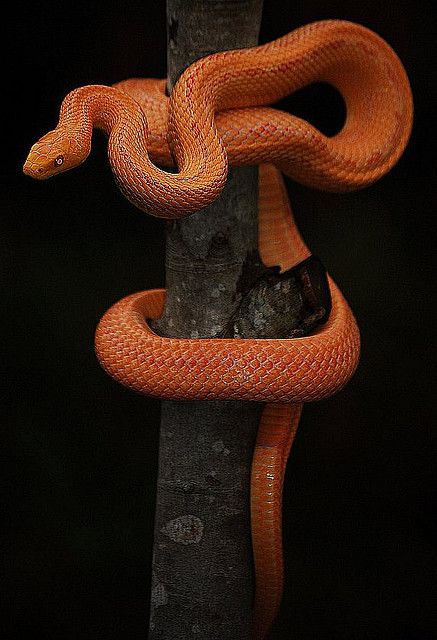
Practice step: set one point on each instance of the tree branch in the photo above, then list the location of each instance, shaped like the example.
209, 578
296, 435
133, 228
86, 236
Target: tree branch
202, 568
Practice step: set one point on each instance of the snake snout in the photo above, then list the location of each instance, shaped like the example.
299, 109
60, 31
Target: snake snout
35, 169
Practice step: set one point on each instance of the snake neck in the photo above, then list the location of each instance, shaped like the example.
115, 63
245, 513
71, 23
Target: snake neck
197, 150
104, 108
95, 106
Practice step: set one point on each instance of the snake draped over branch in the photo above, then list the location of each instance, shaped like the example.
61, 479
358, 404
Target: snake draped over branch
219, 114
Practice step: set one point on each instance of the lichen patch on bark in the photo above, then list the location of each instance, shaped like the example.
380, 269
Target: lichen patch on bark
184, 529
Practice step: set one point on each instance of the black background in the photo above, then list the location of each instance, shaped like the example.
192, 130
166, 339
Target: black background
81, 451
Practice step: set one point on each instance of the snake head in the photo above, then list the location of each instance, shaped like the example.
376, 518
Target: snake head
54, 153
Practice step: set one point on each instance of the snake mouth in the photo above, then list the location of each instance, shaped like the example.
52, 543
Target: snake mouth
35, 170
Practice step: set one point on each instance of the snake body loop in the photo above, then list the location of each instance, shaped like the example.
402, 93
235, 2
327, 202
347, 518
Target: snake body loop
218, 114
239, 84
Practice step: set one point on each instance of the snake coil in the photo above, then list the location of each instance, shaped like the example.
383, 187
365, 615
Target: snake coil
218, 114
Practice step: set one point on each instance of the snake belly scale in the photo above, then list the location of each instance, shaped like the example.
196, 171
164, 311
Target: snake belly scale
219, 114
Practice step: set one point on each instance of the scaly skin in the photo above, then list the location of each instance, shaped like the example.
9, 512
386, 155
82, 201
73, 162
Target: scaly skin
217, 114
355, 60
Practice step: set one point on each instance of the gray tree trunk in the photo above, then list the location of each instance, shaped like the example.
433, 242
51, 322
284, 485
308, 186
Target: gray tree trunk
202, 585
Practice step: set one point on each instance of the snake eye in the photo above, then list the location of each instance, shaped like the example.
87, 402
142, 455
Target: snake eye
58, 161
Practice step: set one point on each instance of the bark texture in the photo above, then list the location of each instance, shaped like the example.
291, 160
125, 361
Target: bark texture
203, 580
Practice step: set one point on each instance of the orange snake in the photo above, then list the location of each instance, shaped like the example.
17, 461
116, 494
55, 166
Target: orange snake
217, 114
